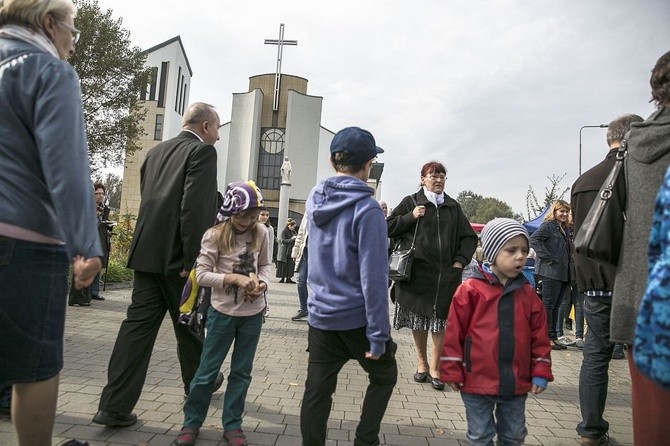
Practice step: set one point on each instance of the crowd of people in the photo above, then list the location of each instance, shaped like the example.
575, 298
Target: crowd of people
491, 335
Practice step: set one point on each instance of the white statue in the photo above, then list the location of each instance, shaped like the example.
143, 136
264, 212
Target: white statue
286, 171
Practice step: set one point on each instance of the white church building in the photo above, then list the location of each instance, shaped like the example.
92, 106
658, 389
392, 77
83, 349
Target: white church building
274, 119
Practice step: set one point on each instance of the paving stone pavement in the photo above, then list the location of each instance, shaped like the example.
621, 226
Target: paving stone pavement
417, 414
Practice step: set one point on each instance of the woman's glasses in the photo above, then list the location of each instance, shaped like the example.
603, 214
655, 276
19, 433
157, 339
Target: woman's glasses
76, 34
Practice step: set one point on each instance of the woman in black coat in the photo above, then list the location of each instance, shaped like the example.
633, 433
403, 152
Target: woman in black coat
553, 249
445, 242
285, 264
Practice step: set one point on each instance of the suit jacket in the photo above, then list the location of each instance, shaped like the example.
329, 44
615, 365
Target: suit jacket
178, 189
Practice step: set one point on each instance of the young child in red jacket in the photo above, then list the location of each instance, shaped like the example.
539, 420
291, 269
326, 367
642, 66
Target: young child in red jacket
496, 347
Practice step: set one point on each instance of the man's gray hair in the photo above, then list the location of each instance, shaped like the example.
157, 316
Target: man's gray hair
618, 128
199, 112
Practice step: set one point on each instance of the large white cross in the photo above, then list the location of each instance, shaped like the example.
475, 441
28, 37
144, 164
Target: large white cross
280, 49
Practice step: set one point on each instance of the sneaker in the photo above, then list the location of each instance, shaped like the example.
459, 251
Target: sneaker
235, 438
564, 340
187, 436
617, 353
579, 343
601, 441
299, 315
267, 311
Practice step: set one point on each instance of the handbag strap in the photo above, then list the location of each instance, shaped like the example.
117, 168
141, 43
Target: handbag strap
604, 194
416, 228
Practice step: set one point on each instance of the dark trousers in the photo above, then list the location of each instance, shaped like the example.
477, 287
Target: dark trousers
553, 292
593, 377
328, 352
153, 295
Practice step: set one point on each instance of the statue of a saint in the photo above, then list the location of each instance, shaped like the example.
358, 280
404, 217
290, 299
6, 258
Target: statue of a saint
286, 171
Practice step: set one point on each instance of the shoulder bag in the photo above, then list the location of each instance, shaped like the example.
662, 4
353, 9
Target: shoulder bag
400, 260
599, 237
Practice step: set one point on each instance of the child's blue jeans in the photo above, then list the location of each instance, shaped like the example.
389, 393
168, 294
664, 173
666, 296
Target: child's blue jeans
509, 421
222, 331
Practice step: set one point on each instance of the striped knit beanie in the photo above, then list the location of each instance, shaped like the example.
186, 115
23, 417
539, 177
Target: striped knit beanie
239, 197
497, 232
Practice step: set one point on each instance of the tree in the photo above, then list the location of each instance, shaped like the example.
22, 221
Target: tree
112, 74
479, 209
113, 184
534, 207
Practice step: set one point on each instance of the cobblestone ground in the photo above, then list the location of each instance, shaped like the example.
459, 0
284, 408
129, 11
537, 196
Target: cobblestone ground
417, 414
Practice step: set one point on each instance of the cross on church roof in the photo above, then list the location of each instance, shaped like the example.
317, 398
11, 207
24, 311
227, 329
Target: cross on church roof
280, 49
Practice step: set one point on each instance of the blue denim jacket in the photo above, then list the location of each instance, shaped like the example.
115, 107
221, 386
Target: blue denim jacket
45, 184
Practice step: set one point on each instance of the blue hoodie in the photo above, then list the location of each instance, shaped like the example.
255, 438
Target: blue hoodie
347, 263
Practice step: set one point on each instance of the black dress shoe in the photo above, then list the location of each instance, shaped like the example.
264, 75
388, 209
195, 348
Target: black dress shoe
75, 443
81, 304
421, 377
96, 297
436, 383
115, 419
289, 281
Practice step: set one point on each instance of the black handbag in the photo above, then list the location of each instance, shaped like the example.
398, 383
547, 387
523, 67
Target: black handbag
600, 235
400, 261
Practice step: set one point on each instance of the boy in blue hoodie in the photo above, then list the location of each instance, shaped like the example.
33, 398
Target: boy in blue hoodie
348, 302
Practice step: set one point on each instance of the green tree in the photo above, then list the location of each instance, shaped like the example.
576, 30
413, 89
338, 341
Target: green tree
113, 184
112, 73
480, 209
469, 202
552, 193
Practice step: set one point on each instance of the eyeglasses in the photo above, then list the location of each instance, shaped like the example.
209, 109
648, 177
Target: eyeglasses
99, 193
76, 34
434, 177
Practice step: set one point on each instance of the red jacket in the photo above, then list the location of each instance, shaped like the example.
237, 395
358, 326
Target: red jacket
496, 339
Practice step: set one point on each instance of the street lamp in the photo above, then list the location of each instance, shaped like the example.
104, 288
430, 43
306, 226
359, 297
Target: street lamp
602, 126
376, 172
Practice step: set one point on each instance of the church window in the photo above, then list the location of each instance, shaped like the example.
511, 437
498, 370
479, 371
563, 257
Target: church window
270, 158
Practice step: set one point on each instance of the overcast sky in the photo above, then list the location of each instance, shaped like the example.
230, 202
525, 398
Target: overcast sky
495, 90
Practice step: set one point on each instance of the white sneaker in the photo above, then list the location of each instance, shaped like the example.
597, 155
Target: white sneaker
579, 343
566, 341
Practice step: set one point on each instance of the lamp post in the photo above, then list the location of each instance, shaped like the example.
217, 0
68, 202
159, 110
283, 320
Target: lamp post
602, 126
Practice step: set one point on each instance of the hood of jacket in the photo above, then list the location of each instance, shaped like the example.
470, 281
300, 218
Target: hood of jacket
648, 140
336, 194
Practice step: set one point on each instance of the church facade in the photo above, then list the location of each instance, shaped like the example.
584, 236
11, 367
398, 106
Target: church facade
274, 120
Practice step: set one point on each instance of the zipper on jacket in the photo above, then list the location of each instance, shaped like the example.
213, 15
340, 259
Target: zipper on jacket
439, 275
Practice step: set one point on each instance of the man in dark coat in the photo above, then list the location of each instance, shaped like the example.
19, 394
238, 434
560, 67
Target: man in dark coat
596, 281
178, 189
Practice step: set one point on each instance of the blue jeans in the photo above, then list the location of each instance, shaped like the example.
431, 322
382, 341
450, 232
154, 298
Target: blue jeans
302, 281
553, 292
222, 330
593, 377
578, 302
509, 422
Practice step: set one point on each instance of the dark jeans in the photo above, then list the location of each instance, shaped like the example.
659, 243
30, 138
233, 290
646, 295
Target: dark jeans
302, 281
553, 292
578, 302
328, 352
153, 295
593, 377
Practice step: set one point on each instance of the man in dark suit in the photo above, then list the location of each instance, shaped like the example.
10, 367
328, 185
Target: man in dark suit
178, 189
